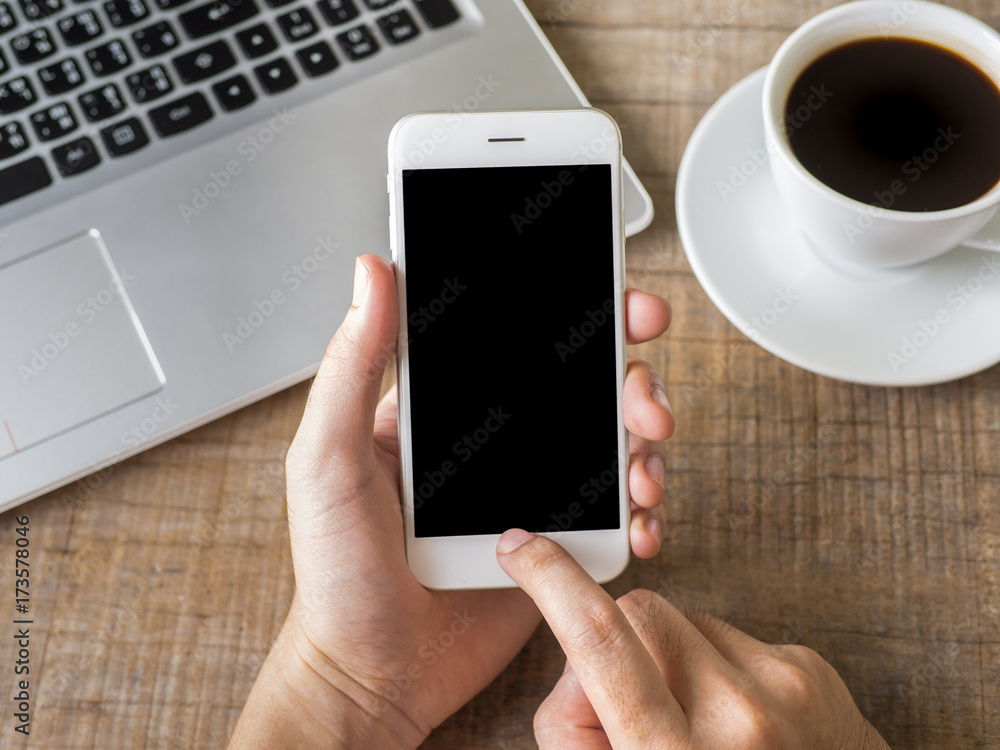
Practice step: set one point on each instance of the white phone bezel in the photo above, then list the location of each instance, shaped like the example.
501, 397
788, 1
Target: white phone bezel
457, 140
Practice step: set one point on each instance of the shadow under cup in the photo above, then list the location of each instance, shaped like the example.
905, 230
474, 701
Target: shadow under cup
883, 122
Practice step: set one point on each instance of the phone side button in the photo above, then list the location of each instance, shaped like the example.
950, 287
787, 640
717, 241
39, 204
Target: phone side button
392, 237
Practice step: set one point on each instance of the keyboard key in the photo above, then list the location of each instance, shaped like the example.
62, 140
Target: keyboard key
234, 93
358, 43
437, 12
36, 9
13, 140
298, 24
102, 103
15, 95
337, 12
217, 16
317, 59
125, 12
80, 28
76, 157
7, 19
124, 137
398, 27
279, 3
33, 46
204, 62
155, 40
108, 58
22, 179
60, 77
257, 41
167, 4
54, 122
276, 76
181, 114
379, 4
147, 85
4, 67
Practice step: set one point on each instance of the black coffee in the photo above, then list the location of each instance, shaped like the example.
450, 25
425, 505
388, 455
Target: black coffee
897, 123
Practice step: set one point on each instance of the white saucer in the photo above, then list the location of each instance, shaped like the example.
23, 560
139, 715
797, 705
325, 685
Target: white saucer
914, 326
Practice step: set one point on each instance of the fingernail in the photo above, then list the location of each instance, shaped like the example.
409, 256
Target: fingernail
362, 280
659, 396
656, 470
513, 539
654, 529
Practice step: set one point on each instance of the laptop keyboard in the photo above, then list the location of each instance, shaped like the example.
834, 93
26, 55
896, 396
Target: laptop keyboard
85, 83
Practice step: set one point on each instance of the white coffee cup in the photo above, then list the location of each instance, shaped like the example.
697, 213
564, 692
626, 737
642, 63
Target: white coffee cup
842, 226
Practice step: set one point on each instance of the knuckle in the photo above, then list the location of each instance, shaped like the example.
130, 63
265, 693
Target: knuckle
596, 631
708, 623
638, 600
757, 727
644, 611
794, 682
543, 555
545, 721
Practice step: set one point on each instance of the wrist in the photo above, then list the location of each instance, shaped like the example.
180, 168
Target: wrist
301, 699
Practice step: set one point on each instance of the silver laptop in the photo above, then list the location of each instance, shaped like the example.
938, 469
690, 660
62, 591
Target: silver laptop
184, 186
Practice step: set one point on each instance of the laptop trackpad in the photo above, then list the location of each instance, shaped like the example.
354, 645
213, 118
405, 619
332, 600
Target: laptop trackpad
71, 347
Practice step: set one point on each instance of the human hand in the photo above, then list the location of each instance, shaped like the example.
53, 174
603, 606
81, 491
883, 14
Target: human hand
401, 658
641, 674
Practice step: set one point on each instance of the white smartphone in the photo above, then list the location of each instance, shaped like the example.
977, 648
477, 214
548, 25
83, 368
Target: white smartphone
507, 239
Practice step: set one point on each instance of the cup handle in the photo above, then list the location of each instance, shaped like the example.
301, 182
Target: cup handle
987, 238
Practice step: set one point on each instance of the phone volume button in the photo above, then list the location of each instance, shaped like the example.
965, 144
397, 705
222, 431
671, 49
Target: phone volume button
392, 237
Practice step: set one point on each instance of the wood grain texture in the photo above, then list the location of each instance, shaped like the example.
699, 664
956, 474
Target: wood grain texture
862, 522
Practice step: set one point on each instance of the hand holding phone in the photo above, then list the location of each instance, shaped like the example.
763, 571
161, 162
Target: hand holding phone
361, 625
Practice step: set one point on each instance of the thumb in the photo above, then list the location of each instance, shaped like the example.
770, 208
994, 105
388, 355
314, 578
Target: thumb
339, 416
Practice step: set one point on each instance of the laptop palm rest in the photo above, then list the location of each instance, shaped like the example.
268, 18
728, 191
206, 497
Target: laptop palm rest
77, 351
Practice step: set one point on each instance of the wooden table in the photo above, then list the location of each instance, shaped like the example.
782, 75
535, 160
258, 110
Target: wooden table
863, 522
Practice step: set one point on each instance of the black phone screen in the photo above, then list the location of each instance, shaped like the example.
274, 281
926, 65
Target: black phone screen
510, 332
